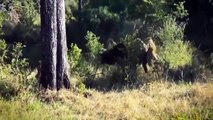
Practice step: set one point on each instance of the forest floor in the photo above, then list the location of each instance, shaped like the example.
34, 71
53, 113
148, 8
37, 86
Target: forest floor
153, 101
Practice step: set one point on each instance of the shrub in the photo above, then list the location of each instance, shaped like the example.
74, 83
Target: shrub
13, 70
134, 47
18, 63
93, 44
95, 48
180, 10
74, 55
174, 51
27, 12
77, 62
3, 50
3, 18
85, 65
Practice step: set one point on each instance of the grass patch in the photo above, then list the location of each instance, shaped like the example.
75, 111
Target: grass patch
156, 100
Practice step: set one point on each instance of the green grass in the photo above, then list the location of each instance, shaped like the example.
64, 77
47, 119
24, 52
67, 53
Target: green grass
156, 100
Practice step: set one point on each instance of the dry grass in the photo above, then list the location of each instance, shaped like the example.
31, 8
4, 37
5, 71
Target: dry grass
154, 101
157, 100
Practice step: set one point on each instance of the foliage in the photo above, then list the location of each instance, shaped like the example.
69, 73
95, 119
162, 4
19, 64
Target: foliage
174, 51
85, 65
180, 11
155, 10
106, 15
134, 48
27, 11
80, 67
82, 87
93, 44
74, 55
1, 21
3, 51
18, 63
100, 17
109, 9
13, 70
22, 21
3, 18
70, 7
91, 62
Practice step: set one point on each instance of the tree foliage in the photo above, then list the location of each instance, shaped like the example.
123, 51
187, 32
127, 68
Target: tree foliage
174, 51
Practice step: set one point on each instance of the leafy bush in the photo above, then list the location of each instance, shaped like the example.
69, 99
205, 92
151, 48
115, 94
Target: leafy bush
85, 65
18, 64
13, 70
134, 47
174, 51
3, 18
155, 10
3, 50
71, 6
93, 44
21, 21
180, 10
27, 10
1, 21
95, 48
74, 55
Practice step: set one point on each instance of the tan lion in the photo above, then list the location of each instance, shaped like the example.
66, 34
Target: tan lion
148, 55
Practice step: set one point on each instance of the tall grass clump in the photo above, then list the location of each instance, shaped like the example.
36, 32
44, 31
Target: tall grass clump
175, 51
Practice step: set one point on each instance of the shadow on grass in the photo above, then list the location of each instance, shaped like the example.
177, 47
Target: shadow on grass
119, 81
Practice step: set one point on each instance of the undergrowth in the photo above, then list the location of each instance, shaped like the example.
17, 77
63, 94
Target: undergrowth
156, 100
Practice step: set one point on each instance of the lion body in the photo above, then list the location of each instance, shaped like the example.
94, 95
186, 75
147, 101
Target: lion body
148, 54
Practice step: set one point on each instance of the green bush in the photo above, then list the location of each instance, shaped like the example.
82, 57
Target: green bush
95, 48
134, 47
180, 10
84, 66
18, 63
3, 51
74, 55
21, 21
174, 51
71, 6
3, 17
27, 12
13, 70
93, 44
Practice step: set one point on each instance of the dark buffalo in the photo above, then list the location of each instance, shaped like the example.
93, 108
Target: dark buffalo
116, 55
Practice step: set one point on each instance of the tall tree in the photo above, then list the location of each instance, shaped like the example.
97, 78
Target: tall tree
54, 69
62, 63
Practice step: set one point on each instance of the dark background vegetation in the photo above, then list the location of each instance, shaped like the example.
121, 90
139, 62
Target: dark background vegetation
171, 23
108, 19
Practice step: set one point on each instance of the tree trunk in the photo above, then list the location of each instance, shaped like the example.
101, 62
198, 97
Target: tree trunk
62, 63
54, 69
49, 43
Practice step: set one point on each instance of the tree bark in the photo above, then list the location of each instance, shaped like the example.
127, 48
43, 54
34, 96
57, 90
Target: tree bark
54, 69
62, 63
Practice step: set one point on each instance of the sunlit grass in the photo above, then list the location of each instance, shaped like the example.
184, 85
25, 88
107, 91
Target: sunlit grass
156, 100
